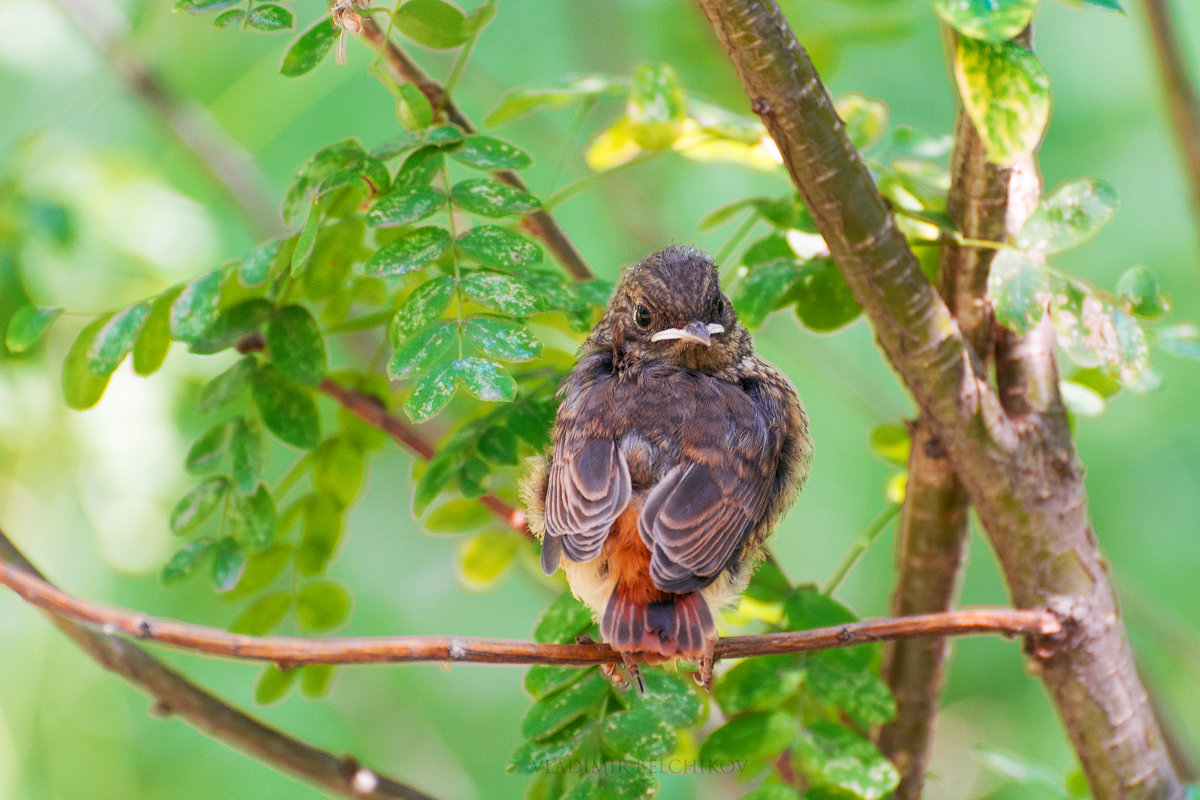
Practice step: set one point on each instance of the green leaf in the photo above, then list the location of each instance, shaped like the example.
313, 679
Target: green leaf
500, 293
1081, 399
413, 250
760, 293
757, 684
486, 153
490, 199
485, 557
28, 326
823, 299
316, 680
338, 469
195, 506
202, 6
226, 386
260, 617
423, 350
575, 91
669, 696
775, 791
504, 339
228, 564
1027, 773
81, 387
992, 20
296, 345
499, 445
861, 695
154, 342
269, 17
231, 326
1181, 340
419, 309
309, 48
865, 117
543, 680
494, 246
404, 206
273, 684
307, 240
432, 392
834, 756
547, 717
261, 571
1140, 289
750, 735
1070, 216
324, 524
321, 607
534, 756
471, 473
415, 111
1019, 288
207, 450
638, 734
892, 442
196, 307
615, 780
562, 621
227, 19
807, 608
259, 519
288, 411
247, 453
1005, 91
1110, 5
487, 380
657, 106
185, 560
433, 23
1132, 355
457, 516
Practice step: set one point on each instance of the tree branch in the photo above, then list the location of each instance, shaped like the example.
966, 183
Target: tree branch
934, 531
404, 70
212, 716
226, 163
289, 652
1183, 104
1023, 476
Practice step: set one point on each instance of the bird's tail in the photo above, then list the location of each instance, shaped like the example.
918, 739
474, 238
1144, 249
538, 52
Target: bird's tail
679, 625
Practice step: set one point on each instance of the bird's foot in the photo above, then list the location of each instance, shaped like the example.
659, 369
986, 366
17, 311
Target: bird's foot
634, 672
704, 675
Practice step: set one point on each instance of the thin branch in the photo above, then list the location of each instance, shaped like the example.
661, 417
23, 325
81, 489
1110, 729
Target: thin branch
404, 70
1182, 100
229, 166
289, 652
1023, 476
371, 410
213, 717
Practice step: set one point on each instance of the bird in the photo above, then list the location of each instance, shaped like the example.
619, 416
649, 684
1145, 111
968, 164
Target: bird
675, 450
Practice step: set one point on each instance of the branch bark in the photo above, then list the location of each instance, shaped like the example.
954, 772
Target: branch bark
1183, 104
934, 529
1021, 473
404, 70
289, 652
211, 716
226, 163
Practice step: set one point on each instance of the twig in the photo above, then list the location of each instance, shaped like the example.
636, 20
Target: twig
225, 162
289, 652
213, 717
404, 70
1182, 100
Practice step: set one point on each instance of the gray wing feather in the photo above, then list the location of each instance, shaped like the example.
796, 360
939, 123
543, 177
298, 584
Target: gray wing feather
588, 489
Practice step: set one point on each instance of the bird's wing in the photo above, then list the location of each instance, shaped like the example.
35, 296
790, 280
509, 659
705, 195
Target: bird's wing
588, 489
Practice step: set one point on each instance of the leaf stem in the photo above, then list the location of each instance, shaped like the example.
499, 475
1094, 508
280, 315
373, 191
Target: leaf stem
861, 545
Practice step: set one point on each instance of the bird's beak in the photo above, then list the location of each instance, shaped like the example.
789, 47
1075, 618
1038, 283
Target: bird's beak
697, 332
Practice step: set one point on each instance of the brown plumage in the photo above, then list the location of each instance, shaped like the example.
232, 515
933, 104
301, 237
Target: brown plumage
676, 449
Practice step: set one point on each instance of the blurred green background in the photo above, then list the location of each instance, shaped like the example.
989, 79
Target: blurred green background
86, 494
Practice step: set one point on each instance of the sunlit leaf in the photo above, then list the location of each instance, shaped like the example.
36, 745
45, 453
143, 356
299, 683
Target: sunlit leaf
195, 506
835, 756
338, 470
316, 680
639, 734
503, 339
757, 684
1140, 289
562, 621
656, 106
259, 519
324, 525
432, 392
433, 23
762, 290
1005, 91
81, 387
28, 326
891, 441
485, 379
270, 17
229, 562
207, 450
750, 735
485, 152
500, 293
309, 48
260, 617
576, 90
546, 717
1181, 340
186, 560
994, 20
423, 350
414, 110
860, 694
404, 206
321, 607
1068, 217
247, 452
202, 6
669, 696
494, 246
154, 342
823, 299
457, 516
866, 118
1019, 288
1081, 399
487, 198
543, 680
420, 308
485, 557
612, 147
413, 250
196, 307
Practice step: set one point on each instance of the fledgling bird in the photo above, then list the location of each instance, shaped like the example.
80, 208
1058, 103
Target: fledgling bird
676, 449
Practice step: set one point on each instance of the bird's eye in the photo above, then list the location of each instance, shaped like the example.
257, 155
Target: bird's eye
641, 316
719, 306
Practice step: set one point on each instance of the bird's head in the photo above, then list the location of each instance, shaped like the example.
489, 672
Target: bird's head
669, 308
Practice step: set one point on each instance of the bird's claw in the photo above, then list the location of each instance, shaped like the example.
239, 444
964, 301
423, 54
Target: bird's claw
704, 675
625, 675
